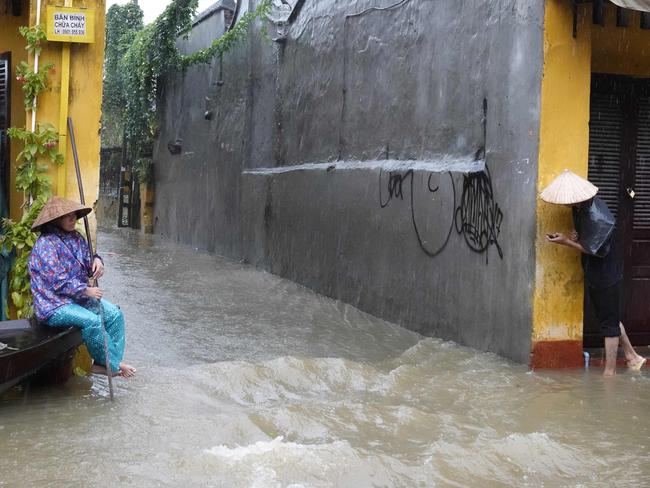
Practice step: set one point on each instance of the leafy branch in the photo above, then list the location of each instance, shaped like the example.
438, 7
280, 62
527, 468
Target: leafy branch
33, 83
35, 37
30, 175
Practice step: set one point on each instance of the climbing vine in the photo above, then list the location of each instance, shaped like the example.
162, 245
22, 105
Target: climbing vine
226, 42
152, 54
39, 147
33, 83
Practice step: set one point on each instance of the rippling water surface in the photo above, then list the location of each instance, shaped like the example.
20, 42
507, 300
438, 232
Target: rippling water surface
248, 380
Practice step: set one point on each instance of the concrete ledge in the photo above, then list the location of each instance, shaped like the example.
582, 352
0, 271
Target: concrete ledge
439, 165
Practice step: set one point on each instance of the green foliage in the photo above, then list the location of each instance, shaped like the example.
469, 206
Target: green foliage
35, 37
19, 239
31, 178
226, 42
30, 175
33, 83
151, 54
123, 22
143, 168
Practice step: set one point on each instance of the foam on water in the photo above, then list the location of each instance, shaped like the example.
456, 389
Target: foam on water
266, 384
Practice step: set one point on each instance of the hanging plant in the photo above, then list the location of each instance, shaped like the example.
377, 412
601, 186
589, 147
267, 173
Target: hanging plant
234, 35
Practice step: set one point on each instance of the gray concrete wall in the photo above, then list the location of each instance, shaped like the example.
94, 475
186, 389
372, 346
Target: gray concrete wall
383, 156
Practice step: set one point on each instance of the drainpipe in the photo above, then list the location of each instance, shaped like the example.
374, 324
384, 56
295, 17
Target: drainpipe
36, 57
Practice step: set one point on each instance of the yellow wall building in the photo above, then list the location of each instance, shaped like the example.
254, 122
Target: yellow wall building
74, 89
84, 95
572, 58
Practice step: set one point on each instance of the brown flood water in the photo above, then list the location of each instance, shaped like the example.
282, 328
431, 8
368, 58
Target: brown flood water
248, 380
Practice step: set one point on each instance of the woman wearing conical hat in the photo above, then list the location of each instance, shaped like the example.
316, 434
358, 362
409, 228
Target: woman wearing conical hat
595, 237
60, 268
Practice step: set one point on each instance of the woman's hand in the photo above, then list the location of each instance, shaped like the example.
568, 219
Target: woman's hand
574, 236
558, 238
98, 268
94, 292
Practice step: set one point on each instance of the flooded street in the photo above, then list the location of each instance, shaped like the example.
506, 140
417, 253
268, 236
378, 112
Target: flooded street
248, 380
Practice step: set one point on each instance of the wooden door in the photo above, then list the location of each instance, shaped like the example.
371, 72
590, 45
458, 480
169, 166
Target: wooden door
619, 164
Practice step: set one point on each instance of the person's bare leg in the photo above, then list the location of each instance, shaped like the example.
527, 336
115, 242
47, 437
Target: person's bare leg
611, 351
633, 359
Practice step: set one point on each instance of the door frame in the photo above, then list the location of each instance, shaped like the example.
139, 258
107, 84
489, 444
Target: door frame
628, 89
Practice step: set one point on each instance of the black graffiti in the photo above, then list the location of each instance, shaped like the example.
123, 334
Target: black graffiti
395, 187
478, 217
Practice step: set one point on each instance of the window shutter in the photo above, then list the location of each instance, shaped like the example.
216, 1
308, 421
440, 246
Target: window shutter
642, 171
4, 93
605, 129
4, 108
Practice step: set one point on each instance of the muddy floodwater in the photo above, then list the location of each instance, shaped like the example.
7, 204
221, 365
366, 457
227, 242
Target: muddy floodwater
248, 380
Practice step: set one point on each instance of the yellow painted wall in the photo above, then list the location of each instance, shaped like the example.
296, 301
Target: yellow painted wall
564, 142
84, 104
11, 40
621, 51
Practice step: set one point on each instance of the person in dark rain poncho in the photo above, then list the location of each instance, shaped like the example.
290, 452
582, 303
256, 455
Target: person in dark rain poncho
60, 267
595, 237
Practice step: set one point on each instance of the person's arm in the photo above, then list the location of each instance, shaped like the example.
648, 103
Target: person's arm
563, 240
96, 263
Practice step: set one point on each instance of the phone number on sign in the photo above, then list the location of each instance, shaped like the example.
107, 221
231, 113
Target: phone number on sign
70, 32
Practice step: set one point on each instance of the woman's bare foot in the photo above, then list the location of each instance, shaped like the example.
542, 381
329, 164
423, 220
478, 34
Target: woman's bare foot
126, 370
98, 369
638, 364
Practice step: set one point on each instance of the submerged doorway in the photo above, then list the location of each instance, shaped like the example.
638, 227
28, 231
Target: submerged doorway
619, 164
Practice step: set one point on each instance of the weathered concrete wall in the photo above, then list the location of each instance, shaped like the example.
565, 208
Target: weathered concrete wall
344, 158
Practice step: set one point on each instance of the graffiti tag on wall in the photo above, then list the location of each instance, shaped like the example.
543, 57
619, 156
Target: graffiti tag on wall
477, 217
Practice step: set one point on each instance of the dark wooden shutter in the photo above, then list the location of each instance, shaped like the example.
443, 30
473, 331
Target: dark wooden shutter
5, 112
4, 92
605, 129
642, 170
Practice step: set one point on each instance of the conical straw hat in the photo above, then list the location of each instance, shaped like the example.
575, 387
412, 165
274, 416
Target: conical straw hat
58, 207
567, 189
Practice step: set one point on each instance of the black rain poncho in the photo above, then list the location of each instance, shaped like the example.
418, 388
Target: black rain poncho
596, 227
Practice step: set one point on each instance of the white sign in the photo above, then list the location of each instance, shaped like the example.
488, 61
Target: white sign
70, 24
